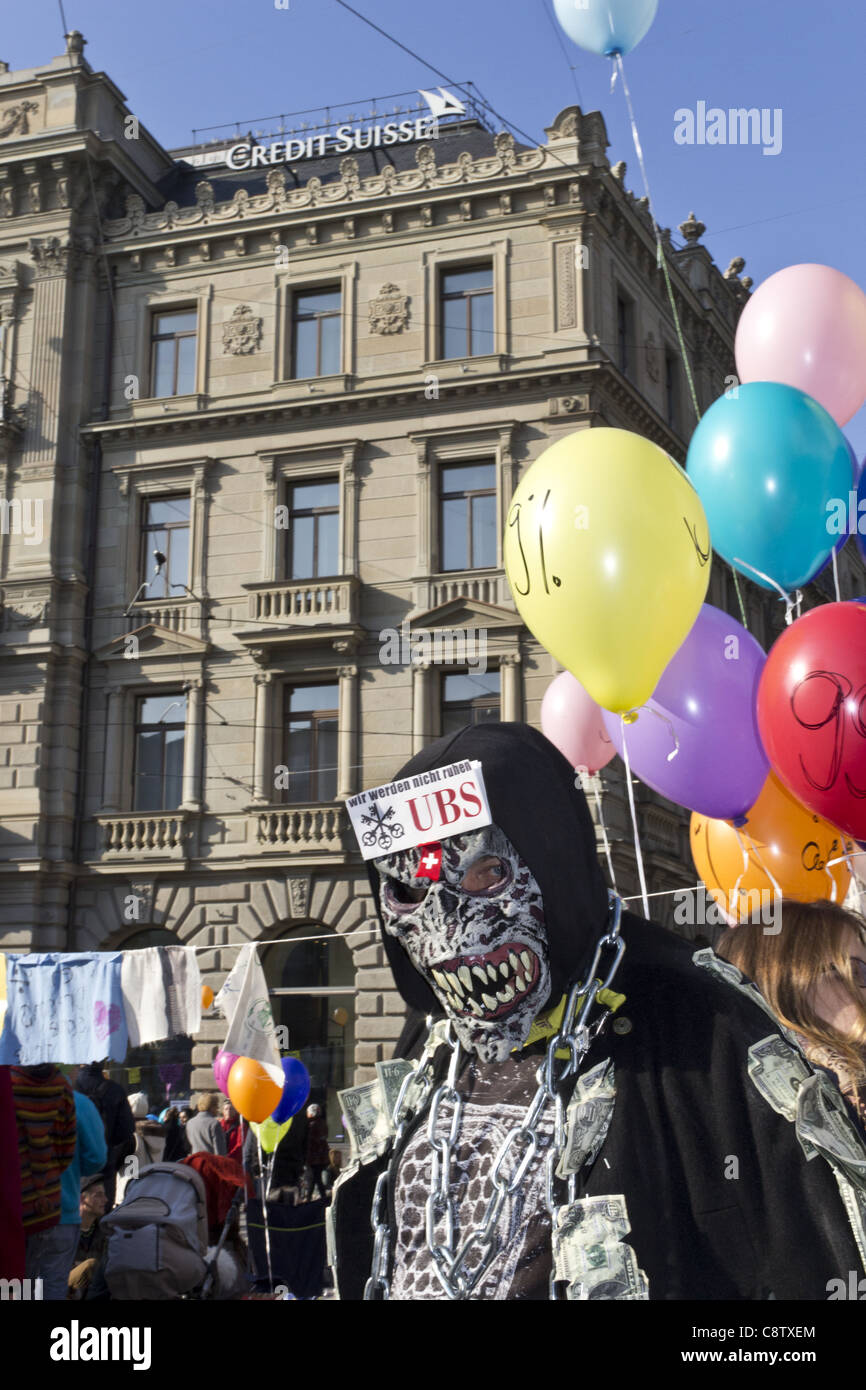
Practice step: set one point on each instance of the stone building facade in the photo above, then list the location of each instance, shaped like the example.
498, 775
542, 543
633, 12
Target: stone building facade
311, 389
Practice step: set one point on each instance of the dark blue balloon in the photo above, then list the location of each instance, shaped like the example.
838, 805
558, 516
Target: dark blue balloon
296, 1088
855, 480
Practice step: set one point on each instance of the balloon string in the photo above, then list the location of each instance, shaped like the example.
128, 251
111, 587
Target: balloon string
637, 849
836, 577
586, 782
661, 259
776, 889
790, 603
740, 599
265, 1216
671, 730
847, 855
735, 891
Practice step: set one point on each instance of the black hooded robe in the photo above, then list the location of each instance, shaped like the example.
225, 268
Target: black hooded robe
722, 1201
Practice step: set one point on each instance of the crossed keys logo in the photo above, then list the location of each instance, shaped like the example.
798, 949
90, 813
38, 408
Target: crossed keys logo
382, 834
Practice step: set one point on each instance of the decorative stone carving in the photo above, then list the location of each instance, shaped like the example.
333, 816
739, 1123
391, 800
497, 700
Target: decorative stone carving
465, 163
7, 200
204, 250
243, 332
387, 221
426, 215
566, 285
618, 170
737, 266
299, 896
425, 158
275, 180
25, 613
135, 212
505, 203
466, 210
350, 175
652, 354
390, 312
51, 256
240, 245
503, 144
692, 229
15, 120
171, 255
349, 227
204, 197
312, 234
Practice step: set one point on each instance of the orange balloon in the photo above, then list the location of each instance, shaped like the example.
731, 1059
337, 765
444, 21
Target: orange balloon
206, 996
781, 837
252, 1090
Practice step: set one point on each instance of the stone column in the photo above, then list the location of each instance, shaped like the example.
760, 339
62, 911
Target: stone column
192, 746
511, 695
347, 723
113, 758
261, 779
420, 705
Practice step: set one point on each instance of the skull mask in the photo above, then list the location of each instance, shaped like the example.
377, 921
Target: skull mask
477, 936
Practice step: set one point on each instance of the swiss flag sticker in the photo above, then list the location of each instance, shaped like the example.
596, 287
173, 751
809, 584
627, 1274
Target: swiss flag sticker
431, 862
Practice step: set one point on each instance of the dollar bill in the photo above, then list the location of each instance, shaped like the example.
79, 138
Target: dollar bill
777, 1072
588, 1118
590, 1254
391, 1077
824, 1122
363, 1108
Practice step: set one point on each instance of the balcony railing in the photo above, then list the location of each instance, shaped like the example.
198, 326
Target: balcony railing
306, 602
483, 587
144, 836
301, 828
176, 617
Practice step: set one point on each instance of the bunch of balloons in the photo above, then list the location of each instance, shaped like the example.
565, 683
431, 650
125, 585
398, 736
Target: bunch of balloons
260, 1091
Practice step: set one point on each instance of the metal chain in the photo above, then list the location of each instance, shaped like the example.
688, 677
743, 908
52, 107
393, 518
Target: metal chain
460, 1270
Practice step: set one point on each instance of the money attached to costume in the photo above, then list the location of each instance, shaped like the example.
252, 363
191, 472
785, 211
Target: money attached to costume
588, 1118
778, 1072
591, 1255
369, 1129
391, 1077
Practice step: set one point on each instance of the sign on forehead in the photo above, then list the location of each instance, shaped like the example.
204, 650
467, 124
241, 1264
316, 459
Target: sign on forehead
429, 806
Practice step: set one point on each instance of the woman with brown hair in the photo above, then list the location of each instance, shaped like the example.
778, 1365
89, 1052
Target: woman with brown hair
812, 973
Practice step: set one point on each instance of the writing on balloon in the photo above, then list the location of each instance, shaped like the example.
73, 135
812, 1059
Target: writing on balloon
703, 555
811, 857
824, 700
534, 543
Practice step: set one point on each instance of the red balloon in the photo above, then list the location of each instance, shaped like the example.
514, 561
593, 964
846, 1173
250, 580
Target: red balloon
812, 713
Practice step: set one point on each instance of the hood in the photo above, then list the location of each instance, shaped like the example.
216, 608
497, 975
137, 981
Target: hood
532, 797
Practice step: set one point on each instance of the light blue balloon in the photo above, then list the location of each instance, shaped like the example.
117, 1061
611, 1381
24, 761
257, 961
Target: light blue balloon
606, 26
767, 464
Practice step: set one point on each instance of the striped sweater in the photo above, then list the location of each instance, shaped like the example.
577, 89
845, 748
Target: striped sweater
45, 1116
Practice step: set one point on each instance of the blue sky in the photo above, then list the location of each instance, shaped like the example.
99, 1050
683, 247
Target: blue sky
194, 63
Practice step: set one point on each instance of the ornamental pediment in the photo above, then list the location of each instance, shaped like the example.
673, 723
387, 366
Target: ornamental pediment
151, 641
466, 613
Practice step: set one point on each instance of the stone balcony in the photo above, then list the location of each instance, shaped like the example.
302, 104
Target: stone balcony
306, 602
161, 835
302, 829
175, 615
485, 586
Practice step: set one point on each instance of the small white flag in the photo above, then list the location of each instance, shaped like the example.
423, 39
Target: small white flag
251, 1026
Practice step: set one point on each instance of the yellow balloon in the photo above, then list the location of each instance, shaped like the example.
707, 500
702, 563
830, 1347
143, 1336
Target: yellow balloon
607, 551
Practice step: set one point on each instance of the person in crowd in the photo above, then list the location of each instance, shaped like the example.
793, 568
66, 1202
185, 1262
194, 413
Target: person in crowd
184, 1115
45, 1120
812, 973
334, 1168
315, 1153
110, 1100
87, 1277
232, 1129
176, 1145
204, 1133
88, 1161
289, 1156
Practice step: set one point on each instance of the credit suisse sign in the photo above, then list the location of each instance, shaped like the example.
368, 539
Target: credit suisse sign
344, 139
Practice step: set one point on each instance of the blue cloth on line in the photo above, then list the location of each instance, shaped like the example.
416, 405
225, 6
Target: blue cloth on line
90, 1156
63, 1008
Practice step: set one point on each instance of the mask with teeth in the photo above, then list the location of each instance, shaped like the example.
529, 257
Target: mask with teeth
477, 936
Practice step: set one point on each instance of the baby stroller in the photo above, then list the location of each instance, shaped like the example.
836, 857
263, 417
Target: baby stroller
158, 1238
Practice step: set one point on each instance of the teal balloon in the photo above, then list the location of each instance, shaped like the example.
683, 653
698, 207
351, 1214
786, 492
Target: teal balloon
606, 27
771, 467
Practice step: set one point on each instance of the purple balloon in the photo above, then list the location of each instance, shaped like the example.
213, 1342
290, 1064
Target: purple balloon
707, 693
222, 1065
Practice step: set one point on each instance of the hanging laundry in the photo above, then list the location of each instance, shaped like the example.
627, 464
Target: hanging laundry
63, 1008
161, 988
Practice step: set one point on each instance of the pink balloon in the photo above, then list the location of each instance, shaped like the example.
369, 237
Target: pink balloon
572, 721
806, 327
222, 1065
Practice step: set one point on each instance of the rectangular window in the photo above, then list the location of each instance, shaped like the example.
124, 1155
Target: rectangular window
159, 737
314, 530
316, 332
172, 354
467, 516
623, 334
466, 311
310, 720
166, 531
671, 392
468, 698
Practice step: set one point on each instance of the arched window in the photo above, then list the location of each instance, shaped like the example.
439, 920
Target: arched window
311, 979
162, 1070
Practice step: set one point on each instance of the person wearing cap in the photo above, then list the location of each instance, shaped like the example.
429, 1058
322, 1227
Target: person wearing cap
87, 1276
149, 1142
204, 1133
588, 1109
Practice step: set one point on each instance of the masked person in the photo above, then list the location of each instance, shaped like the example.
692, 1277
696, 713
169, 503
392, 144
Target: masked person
552, 1138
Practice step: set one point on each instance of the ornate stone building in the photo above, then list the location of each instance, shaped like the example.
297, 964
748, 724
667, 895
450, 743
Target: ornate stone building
259, 429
